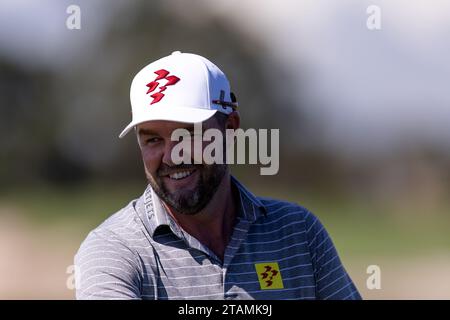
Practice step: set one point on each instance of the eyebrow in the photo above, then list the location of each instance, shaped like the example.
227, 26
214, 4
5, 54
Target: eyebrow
146, 132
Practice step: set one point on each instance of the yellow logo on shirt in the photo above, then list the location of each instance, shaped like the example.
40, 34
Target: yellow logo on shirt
269, 275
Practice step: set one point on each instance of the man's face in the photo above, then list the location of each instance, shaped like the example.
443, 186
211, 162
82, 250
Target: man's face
187, 188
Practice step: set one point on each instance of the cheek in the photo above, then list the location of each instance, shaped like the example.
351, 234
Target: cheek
152, 160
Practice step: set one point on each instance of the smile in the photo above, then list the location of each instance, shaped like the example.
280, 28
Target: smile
181, 174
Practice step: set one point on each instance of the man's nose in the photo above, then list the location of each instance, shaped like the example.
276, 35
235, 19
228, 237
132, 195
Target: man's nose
167, 157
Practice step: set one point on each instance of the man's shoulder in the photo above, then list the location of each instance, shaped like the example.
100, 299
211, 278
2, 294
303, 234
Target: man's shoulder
116, 228
286, 211
108, 259
120, 220
123, 220
277, 207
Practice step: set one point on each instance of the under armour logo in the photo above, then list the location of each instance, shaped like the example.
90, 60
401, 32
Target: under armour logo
162, 75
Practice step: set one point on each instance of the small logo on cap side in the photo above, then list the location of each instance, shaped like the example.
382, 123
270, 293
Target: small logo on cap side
161, 75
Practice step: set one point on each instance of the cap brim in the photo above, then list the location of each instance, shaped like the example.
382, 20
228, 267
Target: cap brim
176, 114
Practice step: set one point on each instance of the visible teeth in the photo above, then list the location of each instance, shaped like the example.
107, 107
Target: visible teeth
180, 175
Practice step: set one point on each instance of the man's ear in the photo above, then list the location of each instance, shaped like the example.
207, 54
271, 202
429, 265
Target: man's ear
233, 121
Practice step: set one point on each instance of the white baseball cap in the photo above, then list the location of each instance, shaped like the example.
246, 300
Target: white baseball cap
181, 87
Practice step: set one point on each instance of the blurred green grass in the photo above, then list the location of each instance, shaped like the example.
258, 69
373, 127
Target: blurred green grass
358, 228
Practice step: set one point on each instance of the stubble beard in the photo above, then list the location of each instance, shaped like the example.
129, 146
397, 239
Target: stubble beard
189, 201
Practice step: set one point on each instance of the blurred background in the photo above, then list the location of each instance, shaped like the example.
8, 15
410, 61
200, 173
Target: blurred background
364, 119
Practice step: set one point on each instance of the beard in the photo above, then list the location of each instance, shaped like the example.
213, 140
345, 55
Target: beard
189, 201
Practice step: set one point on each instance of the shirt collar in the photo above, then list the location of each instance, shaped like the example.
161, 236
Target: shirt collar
251, 207
156, 218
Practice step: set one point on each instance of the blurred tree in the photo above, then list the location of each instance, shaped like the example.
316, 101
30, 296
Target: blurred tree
28, 117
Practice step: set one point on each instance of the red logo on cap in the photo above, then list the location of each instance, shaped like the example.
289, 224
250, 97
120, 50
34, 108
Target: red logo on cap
162, 74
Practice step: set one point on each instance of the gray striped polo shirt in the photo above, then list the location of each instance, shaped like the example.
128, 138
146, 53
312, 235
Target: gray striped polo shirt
278, 250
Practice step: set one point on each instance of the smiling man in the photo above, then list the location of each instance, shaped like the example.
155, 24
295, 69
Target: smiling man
196, 232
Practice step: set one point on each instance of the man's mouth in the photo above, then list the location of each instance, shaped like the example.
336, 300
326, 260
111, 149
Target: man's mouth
181, 174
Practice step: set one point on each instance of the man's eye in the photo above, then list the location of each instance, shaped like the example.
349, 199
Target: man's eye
152, 140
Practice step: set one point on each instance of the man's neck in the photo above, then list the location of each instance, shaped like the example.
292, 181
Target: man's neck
213, 225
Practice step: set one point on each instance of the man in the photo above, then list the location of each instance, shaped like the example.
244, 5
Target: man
196, 232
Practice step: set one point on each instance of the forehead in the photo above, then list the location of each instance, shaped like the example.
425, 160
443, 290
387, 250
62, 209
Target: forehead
163, 126
160, 126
